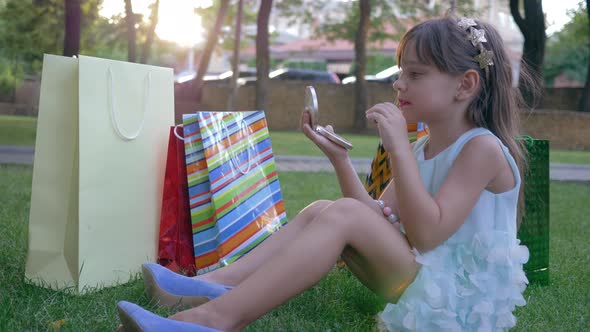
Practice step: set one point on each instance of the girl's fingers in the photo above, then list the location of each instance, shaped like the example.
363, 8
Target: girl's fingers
384, 108
376, 116
305, 119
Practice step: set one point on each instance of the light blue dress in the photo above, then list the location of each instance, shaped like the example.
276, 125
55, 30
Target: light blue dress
474, 280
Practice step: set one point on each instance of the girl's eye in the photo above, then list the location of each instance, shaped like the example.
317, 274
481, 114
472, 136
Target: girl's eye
410, 74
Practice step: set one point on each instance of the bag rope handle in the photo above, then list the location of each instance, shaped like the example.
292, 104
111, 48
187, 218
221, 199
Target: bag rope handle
234, 157
529, 140
114, 120
177, 135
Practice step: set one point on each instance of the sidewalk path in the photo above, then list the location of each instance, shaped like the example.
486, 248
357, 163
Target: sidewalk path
558, 172
22, 155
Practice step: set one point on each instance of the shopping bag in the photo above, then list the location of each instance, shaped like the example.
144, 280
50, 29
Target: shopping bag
175, 244
99, 162
380, 174
534, 228
234, 190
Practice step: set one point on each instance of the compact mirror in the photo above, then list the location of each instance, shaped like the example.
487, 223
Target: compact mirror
311, 105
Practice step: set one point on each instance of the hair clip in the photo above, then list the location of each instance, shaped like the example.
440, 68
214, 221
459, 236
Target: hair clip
465, 23
477, 37
485, 58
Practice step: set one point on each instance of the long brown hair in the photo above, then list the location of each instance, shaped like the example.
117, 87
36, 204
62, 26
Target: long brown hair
442, 43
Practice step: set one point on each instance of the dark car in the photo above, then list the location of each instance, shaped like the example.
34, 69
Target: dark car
304, 75
288, 74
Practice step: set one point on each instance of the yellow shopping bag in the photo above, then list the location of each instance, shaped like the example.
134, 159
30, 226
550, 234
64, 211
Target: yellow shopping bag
100, 156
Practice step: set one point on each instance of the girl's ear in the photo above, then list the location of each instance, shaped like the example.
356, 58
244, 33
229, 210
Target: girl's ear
469, 85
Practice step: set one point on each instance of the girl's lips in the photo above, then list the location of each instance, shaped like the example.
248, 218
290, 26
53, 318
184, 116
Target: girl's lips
403, 103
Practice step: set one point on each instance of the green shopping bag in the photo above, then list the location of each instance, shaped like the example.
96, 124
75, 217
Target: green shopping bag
534, 229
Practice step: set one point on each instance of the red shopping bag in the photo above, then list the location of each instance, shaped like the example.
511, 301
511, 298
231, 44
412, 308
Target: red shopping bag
175, 244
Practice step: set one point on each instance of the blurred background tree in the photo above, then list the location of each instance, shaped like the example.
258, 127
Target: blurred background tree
31, 28
367, 23
529, 17
567, 50
584, 105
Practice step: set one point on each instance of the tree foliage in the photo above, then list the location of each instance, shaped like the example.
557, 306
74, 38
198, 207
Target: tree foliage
30, 28
389, 18
24, 37
227, 33
567, 50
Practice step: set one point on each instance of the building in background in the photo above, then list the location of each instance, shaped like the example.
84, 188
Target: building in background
296, 42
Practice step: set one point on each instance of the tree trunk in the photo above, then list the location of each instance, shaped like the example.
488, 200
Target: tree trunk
147, 47
585, 101
262, 55
72, 35
209, 46
453, 7
360, 61
231, 102
130, 19
532, 27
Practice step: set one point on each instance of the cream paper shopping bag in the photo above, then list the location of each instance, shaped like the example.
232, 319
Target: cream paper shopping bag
100, 156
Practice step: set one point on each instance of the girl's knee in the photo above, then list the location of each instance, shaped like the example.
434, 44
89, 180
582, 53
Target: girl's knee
344, 211
316, 207
310, 212
348, 205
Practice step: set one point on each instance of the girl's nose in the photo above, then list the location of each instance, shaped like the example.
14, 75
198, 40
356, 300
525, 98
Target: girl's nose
398, 85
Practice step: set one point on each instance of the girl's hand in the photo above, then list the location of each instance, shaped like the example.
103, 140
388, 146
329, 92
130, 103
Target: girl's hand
391, 124
332, 150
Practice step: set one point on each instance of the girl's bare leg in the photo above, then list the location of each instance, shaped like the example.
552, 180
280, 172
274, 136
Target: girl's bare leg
234, 273
309, 257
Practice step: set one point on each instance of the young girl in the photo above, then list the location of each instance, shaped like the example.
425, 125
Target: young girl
453, 262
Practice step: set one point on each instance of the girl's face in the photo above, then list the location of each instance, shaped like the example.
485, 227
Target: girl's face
424, 93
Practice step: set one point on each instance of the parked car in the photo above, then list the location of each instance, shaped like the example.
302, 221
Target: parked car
187, 76
288, 74
304, 75
388, 75
223, 78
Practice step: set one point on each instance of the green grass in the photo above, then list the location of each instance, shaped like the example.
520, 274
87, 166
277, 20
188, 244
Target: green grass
570, 157
338, 303
17, 130
293, 143
21, 131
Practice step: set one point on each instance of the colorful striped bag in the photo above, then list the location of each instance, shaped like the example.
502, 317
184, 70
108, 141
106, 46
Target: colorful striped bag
234, 191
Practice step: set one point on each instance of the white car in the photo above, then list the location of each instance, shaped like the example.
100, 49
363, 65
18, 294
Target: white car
388, 75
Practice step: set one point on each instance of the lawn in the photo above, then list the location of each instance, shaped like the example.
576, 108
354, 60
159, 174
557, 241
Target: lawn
338, 303
16, 130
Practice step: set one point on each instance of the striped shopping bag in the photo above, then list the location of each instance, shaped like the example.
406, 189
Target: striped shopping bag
234, 191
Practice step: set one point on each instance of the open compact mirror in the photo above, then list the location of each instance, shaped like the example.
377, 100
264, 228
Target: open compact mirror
311, 105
